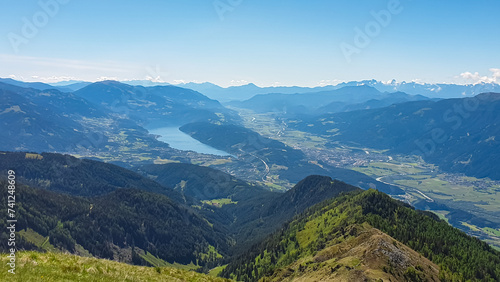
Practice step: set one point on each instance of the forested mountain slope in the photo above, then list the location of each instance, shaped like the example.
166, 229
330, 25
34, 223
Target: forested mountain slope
126, 225
78, 177
318, 237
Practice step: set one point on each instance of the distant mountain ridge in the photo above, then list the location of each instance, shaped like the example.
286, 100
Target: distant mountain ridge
153, 106
30, 125
100, 118
245, 92
431, 90
55, 121
347, 98
72, 85
34, 85
459, 135
386, 99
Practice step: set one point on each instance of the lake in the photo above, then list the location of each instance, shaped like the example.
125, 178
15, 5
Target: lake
182, 141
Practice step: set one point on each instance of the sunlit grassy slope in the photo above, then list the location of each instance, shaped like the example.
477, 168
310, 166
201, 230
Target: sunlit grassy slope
34, 266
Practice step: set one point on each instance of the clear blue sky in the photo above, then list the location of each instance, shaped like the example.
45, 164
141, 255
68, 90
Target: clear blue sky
261, 41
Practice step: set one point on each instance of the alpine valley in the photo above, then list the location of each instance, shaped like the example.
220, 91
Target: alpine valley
361, 181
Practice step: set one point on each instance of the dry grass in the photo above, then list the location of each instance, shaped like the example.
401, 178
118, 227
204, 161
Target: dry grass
34, 266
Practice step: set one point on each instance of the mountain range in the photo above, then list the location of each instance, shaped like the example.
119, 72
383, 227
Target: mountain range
156, 106
340, 100
104, 120
34, 85
457, 134
321, 229
271, 210
245, 92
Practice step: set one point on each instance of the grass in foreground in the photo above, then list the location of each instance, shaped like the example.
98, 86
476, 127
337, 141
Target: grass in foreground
34, 266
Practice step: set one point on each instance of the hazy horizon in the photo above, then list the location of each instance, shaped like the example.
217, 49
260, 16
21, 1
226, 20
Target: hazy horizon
153, 82
268, 43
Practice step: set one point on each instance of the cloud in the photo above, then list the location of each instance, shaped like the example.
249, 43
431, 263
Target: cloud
104, 78
183, 81
476, 78
157, 79
67, 64
52, 79
326, 82
496, 73
238, 82
418, 81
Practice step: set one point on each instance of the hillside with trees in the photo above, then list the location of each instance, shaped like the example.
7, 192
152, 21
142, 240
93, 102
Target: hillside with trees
324, 228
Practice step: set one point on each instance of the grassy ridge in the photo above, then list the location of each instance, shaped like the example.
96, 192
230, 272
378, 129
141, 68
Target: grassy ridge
34, 266
460, 257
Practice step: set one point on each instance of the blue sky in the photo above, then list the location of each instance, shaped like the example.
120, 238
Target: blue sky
231, 42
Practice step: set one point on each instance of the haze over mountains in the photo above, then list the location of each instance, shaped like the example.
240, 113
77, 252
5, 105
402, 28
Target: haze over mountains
153, 106
293, 199
245, 92
348, 98
102, 117
456, 134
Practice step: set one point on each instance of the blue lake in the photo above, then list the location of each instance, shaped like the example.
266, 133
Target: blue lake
182, 141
